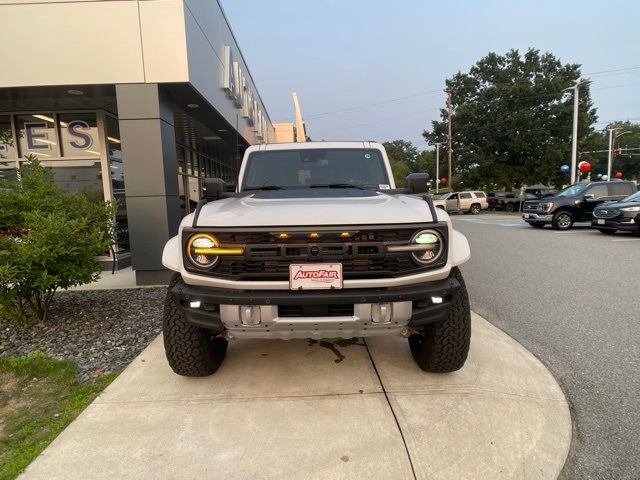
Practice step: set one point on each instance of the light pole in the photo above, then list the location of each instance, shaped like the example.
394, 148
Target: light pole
611, 143
574, 139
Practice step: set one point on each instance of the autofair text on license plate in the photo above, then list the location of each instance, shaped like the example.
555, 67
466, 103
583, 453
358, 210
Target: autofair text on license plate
315, 276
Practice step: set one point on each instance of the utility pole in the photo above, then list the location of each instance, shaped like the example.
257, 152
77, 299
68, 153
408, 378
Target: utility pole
301, 135
450, 148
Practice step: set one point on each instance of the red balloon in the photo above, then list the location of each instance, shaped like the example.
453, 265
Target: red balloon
584, 166
443, 180
618, 174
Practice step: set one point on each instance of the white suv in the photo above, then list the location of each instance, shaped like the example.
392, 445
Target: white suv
466, 202
316, 242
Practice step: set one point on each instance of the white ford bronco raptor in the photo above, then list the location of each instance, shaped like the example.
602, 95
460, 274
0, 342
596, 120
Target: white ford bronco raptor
316, 242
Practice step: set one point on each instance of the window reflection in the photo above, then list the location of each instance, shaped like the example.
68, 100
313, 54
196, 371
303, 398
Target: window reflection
37, 135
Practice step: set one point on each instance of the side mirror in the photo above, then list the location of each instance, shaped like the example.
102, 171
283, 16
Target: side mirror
418, 182
588, 196
213, 188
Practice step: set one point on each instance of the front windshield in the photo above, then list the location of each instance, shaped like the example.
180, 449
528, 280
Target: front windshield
632, 198
573, 190
305, 168
445, 196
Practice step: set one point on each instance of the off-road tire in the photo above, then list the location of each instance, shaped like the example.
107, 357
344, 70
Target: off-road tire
191, 351
537, 224
510, 207
443, 346
559, 220
606, 231
475, 209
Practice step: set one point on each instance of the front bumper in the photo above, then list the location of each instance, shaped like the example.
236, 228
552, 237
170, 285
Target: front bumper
624, 223
537, 217
256, 314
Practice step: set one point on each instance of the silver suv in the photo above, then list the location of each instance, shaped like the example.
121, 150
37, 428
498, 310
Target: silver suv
466, 202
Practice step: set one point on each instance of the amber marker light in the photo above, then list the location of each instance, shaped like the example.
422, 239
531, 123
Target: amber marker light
345, 234
314, 235
283, 235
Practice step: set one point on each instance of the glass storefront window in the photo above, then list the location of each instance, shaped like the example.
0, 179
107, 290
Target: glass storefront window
116, 171
37, 135
7, 143
81, 176
79, 132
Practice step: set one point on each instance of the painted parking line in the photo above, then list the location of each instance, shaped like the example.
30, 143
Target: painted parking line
514, 225
626, 240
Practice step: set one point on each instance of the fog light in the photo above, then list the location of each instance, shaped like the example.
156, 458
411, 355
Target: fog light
381, 312
436, 300
195, 304
249, 315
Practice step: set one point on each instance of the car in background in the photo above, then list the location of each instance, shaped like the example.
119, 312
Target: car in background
511, 202
613, 216
575, 203
472, 202
540, 191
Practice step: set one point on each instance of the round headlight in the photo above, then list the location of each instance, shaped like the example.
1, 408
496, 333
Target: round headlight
200, 250
433, 243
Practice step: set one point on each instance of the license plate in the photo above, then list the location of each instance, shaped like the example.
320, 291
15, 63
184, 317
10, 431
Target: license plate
315, 276
601, 222
526, 215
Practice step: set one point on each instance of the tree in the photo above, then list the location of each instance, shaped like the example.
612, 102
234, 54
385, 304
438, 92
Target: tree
48, 241
626, 158
403, 159
512, 122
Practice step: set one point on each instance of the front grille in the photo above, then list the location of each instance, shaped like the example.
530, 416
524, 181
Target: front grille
337, 310
362, 253
606, 213
530, 208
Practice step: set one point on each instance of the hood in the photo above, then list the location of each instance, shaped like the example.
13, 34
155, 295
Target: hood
616, 205
325, 207
545, 200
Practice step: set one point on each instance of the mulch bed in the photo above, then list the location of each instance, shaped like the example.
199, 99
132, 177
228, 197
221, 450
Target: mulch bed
100, 330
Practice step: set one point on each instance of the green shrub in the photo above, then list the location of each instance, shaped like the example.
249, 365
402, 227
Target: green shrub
49, 241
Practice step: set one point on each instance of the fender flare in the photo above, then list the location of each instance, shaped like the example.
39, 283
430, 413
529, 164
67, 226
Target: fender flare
459, 249
171, 257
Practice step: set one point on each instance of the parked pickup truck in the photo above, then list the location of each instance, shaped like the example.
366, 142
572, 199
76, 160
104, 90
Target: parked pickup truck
316, 242
575, 203
465, 202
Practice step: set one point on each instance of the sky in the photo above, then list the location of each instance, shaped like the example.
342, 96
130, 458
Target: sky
342, 54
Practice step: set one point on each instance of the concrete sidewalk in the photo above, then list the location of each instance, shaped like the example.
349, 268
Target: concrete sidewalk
322, 410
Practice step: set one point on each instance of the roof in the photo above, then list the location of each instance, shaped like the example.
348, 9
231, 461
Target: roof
312, 145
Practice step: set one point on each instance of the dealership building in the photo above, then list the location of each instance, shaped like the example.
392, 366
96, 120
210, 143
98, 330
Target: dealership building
135, 100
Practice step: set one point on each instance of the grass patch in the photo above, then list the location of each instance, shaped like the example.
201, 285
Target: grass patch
39, 397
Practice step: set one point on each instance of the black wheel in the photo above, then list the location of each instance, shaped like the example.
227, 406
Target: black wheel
562, 220
475, 209
606, 231
510, 207
191, 351
537, 224
443, 346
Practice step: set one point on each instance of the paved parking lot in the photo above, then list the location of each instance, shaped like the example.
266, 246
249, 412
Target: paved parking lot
572, 299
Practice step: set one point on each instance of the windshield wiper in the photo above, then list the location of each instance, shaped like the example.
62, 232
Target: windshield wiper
266, 187
335, 185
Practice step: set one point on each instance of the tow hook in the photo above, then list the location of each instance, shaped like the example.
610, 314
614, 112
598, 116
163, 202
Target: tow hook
227, 335
407, 332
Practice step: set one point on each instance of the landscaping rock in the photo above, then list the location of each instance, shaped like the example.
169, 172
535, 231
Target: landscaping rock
100, 330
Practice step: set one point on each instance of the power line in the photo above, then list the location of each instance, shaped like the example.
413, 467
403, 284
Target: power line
617, 70
369, 105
